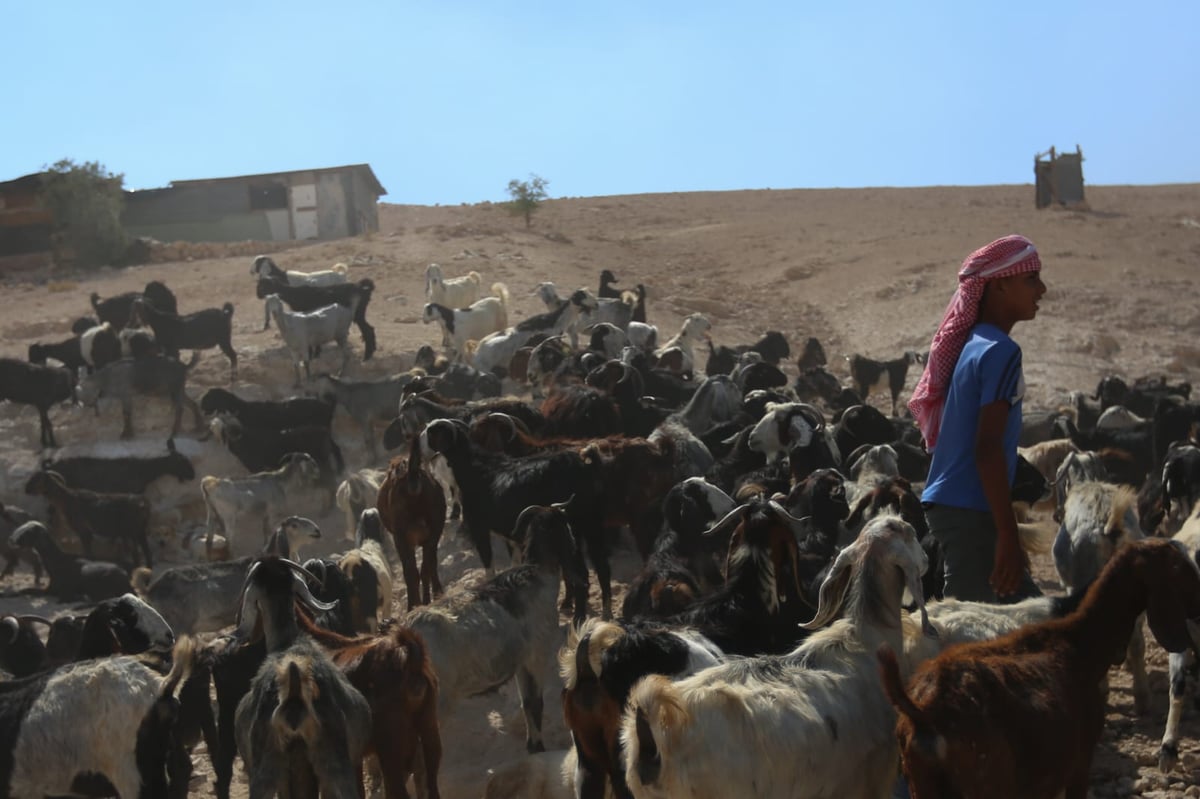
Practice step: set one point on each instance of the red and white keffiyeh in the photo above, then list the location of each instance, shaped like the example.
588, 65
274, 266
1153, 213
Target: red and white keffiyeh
1004, 257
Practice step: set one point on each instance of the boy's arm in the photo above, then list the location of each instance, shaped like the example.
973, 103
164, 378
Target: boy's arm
1010, 560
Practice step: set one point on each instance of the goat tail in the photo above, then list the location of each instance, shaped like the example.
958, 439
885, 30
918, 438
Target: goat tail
893, 686
653, 714
140, 580
340, 268
294, 716
183, 658
474, 277
227, 309
1036, 539
501, 291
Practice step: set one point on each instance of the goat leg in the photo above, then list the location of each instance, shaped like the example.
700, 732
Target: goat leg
530, 693
127, 418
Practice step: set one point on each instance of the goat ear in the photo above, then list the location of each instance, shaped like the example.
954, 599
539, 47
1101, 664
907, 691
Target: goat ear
833, 591
799, 431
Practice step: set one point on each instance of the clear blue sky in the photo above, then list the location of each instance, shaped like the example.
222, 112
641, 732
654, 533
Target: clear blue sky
448, 101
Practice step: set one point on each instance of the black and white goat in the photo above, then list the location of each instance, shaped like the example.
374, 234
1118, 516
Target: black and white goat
304, 299
471, 322
264, 266
870, 376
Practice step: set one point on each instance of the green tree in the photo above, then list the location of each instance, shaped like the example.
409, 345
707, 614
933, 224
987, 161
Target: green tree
86, 200
526, 195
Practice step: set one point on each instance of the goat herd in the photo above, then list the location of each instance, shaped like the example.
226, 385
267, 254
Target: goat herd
785, 637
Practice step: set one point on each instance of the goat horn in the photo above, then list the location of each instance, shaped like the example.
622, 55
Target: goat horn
813, 415
734, 516
11, 622
302, 587
563, 505
796, 524
39, 619
242, 594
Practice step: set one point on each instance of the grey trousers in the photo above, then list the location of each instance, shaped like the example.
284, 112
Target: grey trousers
968, 541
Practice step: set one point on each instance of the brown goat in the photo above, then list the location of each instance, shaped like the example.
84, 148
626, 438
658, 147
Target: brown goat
393, 672
1021, 715
412, 506
637, 475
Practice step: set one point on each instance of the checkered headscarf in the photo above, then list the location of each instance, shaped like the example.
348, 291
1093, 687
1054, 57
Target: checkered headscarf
1004, 257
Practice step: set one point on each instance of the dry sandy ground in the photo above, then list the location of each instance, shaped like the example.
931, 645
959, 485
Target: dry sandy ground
866, 271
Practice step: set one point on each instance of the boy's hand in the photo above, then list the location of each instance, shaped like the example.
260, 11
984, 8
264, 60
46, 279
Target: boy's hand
1010, 565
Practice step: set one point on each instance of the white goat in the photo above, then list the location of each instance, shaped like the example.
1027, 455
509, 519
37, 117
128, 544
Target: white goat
303, 332
265, 267
460, 325
368, 553
813, 723
1098, 519
83, 717
508, 627
356, 493
693, 331
455, 292
268, 494
497, 349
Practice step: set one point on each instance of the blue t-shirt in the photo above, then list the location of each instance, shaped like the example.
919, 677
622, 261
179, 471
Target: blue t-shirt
989, 369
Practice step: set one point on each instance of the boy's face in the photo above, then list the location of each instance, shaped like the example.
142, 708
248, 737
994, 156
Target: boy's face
1021, 294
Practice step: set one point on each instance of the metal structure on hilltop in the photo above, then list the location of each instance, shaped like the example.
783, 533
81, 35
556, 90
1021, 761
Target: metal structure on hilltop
1059, 178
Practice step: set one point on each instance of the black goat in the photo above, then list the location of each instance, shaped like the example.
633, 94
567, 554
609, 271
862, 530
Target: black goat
817, 382
201, 330
274, 414
773, 348
813, 356
39, 386
118, 517
496, 488
1142, 396
262, 449
72, 577
309, 298
10, 519
21, 649
606, 291
116, 311
126, 475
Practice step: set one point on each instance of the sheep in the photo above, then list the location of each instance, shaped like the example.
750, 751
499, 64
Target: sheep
1021, 715
694, 330
123, 518
304, 332
154, 375
201, 330
599, 664
195, 598
71, 576
823, 701
367, 401
302, 726
274, 414
455, 292
359, 491
306, 299
264, 266
267, 493
367, 568
116, 311
508, 627
469, 322
39, 386
103, 716
124, 475
412, 507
